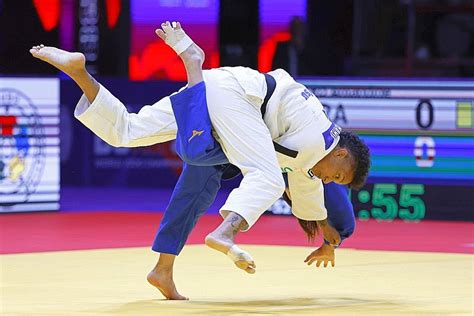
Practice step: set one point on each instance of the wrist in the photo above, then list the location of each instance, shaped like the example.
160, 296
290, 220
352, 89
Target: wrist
327, 243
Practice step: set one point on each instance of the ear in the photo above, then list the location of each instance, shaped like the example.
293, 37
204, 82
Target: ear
341, 152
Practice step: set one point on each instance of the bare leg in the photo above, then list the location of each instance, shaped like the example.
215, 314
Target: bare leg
72, 64
161, 277
192, 57
222, 239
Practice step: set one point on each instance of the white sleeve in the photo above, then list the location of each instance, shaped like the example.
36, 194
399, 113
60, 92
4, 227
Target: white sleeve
109, 119
307, 196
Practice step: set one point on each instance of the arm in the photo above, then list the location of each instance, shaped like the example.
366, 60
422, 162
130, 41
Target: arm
330, 233
340, 209
109, 119
341, 217
325, 253
306, 196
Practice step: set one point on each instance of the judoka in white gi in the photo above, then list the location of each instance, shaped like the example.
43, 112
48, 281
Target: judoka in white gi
312, 149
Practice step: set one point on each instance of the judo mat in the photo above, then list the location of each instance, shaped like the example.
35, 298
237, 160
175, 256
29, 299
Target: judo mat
96, 263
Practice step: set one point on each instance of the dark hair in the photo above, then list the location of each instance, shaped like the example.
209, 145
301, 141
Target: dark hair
361, 155
311, 228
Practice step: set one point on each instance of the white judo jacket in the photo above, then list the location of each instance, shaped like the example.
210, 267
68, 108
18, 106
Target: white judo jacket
294, 119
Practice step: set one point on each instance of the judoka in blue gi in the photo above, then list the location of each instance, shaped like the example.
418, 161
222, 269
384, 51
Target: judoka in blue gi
262, 124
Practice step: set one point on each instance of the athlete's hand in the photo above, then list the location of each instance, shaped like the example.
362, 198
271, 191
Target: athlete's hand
325, 254
330, 233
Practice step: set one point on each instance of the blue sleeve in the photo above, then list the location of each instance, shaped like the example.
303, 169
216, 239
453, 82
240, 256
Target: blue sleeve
340, 209
338, 205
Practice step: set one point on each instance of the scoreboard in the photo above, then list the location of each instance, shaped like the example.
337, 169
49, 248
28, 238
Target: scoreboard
421, 137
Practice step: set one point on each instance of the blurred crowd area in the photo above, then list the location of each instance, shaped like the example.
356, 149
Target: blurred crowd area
370, 38
386, 38
413, 38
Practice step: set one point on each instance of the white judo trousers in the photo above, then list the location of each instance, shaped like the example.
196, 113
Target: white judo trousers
247, 143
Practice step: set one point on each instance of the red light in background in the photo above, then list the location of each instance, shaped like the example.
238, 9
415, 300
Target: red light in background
215, 60
157, 61
113, 8
48, 12
267, 50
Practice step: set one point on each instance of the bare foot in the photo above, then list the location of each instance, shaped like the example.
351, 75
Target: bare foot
165, 284
172, 35
241, 258
69, 63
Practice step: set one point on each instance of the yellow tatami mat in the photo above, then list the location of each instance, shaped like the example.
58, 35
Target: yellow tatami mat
113, 282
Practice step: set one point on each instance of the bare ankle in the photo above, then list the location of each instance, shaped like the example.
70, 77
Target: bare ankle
163, 270
79, 75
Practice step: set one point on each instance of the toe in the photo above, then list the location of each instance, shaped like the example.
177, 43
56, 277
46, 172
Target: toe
34, 52
167, 27
250, 270
161, 34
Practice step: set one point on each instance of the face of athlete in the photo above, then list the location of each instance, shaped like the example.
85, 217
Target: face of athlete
337, 166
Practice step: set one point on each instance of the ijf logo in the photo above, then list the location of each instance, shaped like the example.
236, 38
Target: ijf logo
21, 147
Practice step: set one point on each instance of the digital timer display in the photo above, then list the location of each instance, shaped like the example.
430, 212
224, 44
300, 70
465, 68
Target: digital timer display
412, 202
385, 205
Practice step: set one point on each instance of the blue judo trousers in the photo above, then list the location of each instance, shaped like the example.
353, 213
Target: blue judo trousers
204, 166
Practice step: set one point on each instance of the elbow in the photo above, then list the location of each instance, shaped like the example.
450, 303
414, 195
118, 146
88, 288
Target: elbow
351, 225
348, 229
